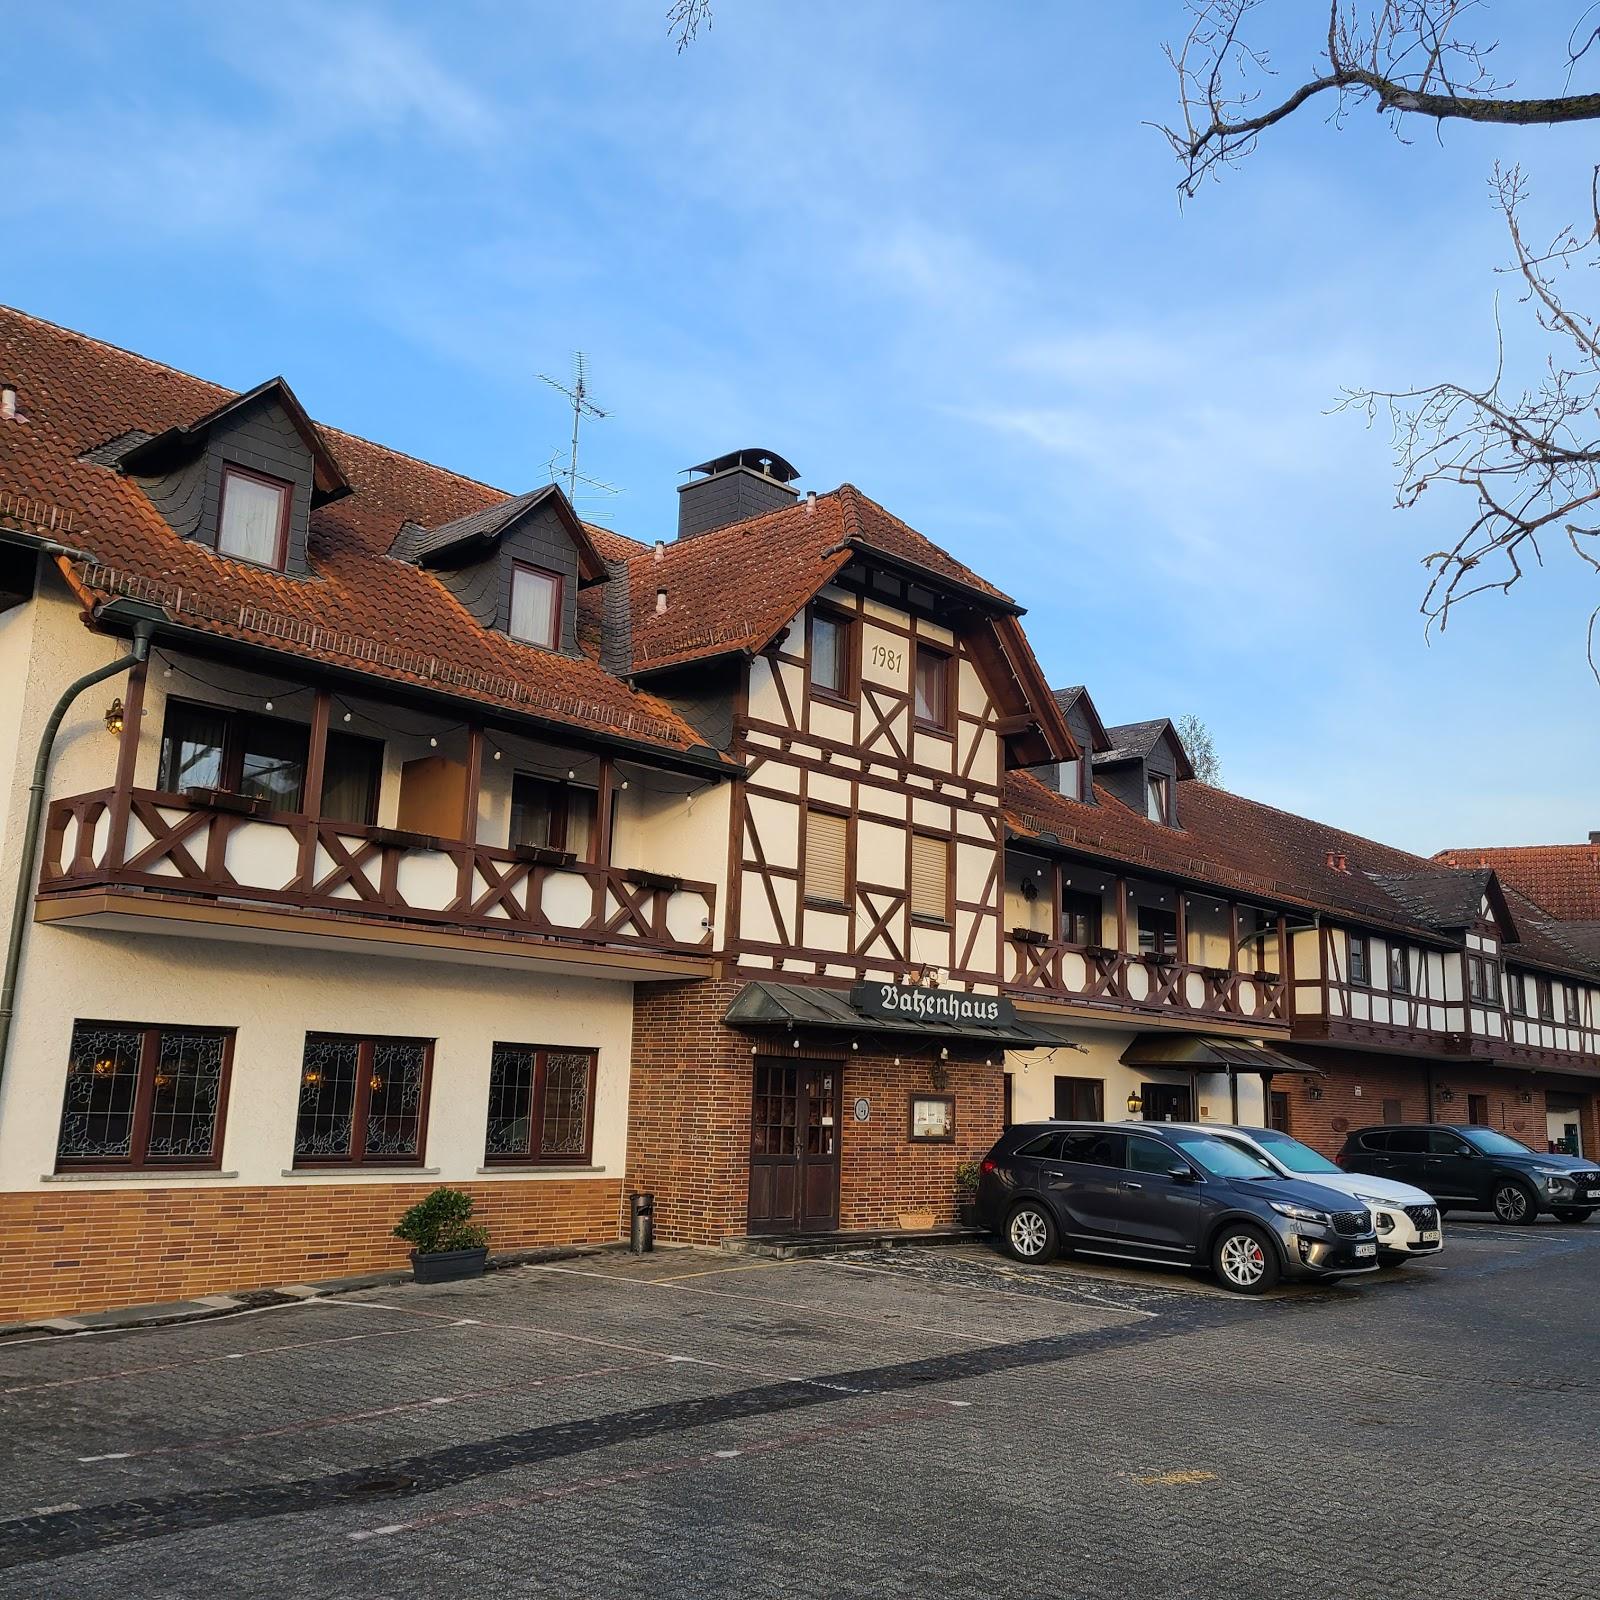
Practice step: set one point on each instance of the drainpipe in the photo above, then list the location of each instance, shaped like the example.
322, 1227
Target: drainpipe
144, 627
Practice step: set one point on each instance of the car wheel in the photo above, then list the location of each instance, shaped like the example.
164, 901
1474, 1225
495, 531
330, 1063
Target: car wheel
1573, 1213
1245, 1260
1512, 1203
1030, 1233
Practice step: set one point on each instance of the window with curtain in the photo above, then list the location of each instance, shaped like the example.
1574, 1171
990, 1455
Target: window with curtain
535, 606
210, 747
930, 877
253, 524
1359, 969
554, 816
1158, 933
1080, 918
827, 876
932, 688
352, 776
1399, 969
1157, 797
830, 652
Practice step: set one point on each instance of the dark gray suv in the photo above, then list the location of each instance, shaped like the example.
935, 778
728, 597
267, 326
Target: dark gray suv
1159, 1193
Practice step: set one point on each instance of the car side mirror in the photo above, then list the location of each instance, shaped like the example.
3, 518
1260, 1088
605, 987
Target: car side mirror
1181, 1174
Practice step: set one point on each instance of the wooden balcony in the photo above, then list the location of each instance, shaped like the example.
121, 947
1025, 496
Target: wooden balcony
116, 853
1095, 976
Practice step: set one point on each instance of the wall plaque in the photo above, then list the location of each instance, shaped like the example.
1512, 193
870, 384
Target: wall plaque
863, 1110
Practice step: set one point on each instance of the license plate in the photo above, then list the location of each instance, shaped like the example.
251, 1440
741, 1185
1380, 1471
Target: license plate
1366, 1250
1429, 1236
1592, 1194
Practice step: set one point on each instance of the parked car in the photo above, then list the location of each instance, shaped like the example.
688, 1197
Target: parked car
1475, 1169
1406, 1218
1165, 1193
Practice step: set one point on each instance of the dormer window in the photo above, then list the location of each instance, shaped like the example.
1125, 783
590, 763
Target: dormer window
253, 522
1158, 797
535, 606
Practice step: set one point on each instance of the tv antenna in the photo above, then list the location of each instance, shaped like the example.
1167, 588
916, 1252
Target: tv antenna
577, 393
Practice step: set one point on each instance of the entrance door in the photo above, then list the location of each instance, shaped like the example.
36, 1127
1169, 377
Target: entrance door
794, 1147
1167, 1102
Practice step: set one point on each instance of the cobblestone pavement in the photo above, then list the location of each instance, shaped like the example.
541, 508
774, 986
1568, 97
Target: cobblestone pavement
889, 1423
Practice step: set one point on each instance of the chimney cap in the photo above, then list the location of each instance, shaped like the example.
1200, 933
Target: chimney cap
1594, 836
767, 462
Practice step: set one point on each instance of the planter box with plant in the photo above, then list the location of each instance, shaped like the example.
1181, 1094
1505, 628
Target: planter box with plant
446, 1242
967, 1194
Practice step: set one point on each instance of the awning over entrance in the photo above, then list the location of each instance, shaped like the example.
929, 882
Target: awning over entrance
1194, 1052
794, 1005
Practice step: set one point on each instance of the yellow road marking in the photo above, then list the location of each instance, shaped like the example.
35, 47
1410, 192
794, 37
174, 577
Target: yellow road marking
1163, 1480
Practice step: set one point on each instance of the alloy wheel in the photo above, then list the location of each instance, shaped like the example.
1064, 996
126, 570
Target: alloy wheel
1510, 1203
1243, 1260
1028, 1233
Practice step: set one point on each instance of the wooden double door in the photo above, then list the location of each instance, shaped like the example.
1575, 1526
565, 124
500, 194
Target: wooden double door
794, 1146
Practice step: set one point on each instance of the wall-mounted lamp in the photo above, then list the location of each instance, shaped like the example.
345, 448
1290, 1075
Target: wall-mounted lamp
1527, 1097
1315, 1091
114, 717
1135, 1103
1447, 1095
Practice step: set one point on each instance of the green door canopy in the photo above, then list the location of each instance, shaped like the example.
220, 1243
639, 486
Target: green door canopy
796, 1005
1194, 1052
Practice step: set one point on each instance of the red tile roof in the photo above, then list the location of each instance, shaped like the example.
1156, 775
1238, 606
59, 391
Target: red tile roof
1563, 878
1244, 848
362, 610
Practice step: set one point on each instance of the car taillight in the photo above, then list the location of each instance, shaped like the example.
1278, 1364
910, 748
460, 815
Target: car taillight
1338, 1160
988, 1166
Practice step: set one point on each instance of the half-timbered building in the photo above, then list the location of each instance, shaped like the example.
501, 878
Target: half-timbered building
368, 828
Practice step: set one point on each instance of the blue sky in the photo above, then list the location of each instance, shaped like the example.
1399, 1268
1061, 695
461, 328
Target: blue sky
928, 248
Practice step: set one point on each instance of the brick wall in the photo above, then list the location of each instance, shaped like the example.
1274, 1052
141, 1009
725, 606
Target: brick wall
1323, 1122
69, 1249
689, 1120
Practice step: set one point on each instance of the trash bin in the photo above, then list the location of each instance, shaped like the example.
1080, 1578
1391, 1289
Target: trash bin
643, 1234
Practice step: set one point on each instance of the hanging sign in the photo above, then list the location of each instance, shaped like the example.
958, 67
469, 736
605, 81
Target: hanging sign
911, 1002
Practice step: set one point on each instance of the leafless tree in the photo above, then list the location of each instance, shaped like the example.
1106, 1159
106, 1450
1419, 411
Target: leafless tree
1526, 451
1202, 748
686, 18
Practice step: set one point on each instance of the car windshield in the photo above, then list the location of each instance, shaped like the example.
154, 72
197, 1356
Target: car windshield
1291, 1153
1221, 1157
1495, 1144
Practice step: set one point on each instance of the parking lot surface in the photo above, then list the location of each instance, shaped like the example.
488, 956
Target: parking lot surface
888, 1423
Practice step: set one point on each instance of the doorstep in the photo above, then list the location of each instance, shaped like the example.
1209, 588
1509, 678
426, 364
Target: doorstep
788, 1246
207, 1306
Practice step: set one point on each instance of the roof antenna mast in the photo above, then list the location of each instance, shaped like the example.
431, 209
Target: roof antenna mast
577, 394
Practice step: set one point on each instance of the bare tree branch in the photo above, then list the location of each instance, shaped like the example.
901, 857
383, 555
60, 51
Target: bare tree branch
1405, 57
685, 20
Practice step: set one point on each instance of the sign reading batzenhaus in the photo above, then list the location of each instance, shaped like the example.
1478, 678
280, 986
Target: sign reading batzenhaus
906, 1002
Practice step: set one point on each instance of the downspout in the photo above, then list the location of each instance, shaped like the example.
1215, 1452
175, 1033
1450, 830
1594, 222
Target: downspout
143, 629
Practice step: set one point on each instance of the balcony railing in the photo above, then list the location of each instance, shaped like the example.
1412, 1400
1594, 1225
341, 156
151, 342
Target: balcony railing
219, 848
1094, 975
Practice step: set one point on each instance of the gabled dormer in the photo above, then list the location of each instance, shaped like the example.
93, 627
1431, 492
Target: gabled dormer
1143, 768
516, 566
241, 480
1075, 778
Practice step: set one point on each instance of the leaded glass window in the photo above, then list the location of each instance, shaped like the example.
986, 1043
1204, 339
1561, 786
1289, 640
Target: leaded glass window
362, 1100
141, 1095
540, 1104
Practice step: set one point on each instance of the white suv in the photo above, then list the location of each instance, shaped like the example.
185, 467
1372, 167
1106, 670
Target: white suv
1406, 1218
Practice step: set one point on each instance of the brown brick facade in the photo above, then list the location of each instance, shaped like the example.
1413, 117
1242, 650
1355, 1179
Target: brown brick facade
1358, 1085
71, 1249
689, 1119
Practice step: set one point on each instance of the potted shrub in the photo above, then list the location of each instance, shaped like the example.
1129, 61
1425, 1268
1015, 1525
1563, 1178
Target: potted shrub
446, 1243
967, 1194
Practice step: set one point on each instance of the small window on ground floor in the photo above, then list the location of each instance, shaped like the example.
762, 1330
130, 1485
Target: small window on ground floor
363, 1101
1080, 1099
541, 1105
142, 1095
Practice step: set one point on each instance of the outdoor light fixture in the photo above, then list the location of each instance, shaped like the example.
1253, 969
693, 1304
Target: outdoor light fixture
114, 716
1315, 1091
1527, 1097
1447, 1095
1135, 1103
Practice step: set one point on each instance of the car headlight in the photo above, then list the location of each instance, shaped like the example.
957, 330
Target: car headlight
1554, 1177
1301, 1213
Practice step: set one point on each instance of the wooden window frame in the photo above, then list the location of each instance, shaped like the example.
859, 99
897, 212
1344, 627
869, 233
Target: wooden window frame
1075, 903
1544, 992
375, 794
1517, 993
848, 622
561, 816
536, 1097
235, 720
557, 610
1403, 952
817, 902
1572, 1004
280, 554
1359, 941
1476, 983
138, 1158
917, 1097
360, 1111
1151, 779
1156, 953
944, 728
1097, 1085
928, 919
